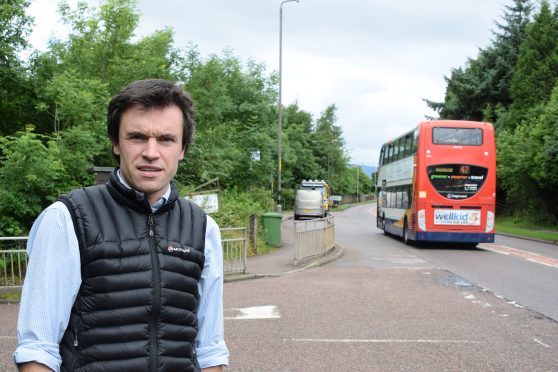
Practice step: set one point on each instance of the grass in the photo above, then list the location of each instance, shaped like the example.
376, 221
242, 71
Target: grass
341, 208
10, 296
508, 226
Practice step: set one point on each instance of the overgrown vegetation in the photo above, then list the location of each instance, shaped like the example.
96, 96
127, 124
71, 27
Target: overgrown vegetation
53, 107
513, 83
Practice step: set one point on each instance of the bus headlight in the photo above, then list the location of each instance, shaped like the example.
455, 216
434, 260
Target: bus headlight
422, 220
489, 221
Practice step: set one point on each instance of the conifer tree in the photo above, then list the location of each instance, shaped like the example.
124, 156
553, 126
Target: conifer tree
537, 65
482, 87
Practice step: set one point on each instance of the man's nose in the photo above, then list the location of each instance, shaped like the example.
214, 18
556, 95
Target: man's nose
151, 149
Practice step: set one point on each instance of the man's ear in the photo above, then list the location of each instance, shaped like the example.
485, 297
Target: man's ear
184, 150
115, 148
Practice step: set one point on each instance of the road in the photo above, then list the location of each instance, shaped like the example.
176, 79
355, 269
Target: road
384, 306
520, 270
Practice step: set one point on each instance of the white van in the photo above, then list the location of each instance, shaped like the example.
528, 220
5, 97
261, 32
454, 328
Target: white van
309, 204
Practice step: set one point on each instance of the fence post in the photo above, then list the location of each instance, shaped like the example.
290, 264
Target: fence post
254, 233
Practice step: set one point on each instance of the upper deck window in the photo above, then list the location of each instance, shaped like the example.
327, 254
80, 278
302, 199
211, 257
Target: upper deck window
457, 136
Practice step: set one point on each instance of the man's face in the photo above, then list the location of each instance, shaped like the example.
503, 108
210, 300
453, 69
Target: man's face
150, 147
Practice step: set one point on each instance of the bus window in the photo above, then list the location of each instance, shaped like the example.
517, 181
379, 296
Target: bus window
399, 197
457, 136
409, 145
415, 141
385, 152
396, 150
457, 181
405, 197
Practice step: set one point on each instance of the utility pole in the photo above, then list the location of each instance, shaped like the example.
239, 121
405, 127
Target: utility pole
358, 171
280, 107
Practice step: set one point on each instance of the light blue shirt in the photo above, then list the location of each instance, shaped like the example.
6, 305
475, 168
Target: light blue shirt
53, 279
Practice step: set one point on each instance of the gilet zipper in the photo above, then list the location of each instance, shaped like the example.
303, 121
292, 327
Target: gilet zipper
156, 294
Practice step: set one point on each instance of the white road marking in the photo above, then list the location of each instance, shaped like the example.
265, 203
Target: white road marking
255, 312
8, 337
540, 342
381, 341
542, 263
474, 300
515, 304
528, 256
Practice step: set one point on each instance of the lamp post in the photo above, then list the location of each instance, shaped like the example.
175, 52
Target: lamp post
358, 171
280, 106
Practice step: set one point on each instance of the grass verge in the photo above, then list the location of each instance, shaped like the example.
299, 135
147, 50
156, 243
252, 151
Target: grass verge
10, 296
508, 226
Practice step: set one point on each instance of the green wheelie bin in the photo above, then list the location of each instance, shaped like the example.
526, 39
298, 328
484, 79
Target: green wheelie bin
272, 228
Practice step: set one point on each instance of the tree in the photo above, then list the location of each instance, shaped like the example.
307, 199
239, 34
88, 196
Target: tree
98, 59
528, 163
537, 65
508, 38
15, 91
31, 176
480, 91
299, 160
329, 149
235, 117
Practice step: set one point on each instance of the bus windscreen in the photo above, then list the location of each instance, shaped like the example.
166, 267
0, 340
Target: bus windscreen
457, 136
457, 181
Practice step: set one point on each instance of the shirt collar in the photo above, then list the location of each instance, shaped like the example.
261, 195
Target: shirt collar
155, 206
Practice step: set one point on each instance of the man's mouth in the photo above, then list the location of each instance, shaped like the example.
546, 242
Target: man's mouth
149, 170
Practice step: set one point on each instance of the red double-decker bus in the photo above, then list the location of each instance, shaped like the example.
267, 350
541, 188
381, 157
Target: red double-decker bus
438, 183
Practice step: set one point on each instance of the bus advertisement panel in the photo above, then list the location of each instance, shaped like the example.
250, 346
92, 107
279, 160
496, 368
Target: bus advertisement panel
438, 183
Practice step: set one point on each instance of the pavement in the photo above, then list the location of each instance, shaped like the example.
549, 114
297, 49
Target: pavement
281, 261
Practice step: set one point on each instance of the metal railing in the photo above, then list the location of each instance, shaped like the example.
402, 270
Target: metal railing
13, 257
313, 238
235, 247
13, 261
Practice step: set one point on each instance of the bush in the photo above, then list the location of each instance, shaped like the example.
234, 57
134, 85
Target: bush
236, 207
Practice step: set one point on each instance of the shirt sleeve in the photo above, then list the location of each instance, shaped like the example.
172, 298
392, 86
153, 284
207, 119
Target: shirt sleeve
210, 342
51, 285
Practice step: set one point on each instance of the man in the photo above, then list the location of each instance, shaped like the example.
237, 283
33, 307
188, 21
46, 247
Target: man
127, 276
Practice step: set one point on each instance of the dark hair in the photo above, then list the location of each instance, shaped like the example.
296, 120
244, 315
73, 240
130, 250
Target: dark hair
146, 94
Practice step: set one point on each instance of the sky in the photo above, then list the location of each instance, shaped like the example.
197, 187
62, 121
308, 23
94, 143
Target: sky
376, 60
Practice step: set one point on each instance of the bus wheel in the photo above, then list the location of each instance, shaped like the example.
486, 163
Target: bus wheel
406, 233
384, 224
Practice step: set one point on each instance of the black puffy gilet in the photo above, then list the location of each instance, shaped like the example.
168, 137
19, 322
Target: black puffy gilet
136, 307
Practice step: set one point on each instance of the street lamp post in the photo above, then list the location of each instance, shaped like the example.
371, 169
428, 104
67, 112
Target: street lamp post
280, 106
358, 171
